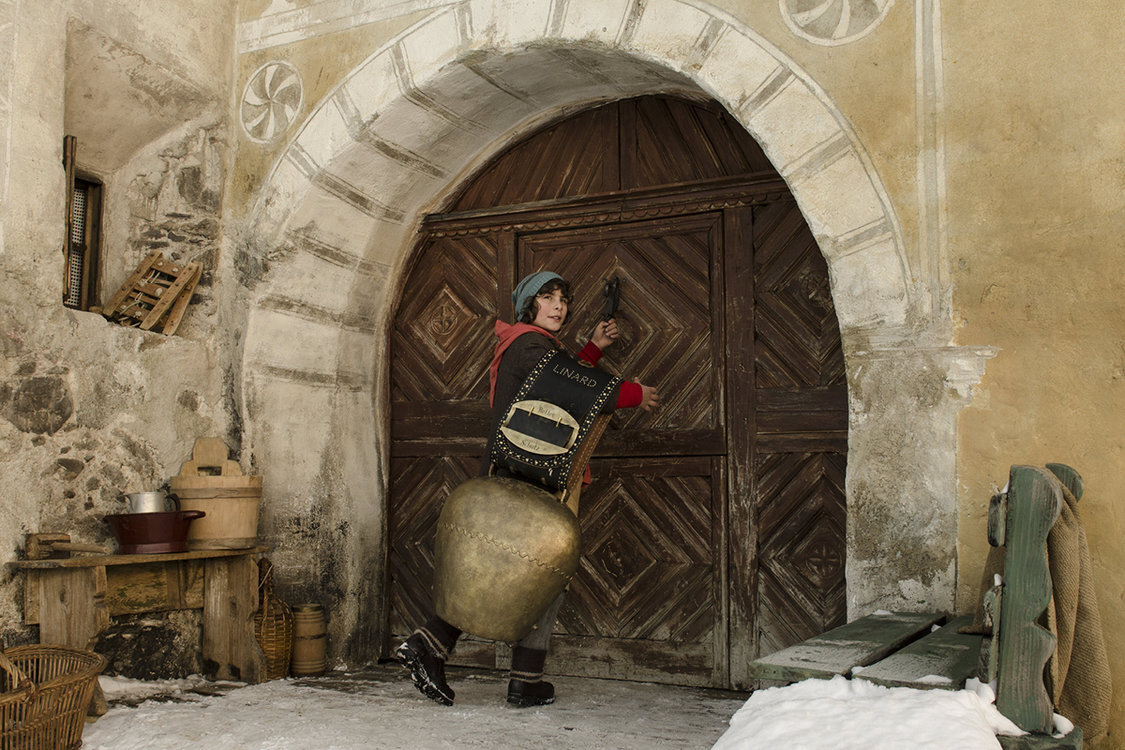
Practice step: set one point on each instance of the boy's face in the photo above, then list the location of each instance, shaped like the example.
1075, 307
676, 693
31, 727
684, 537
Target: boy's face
551, 308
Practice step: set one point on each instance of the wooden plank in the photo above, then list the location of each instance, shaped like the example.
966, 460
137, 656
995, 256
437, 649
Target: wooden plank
152, 290
741, 397
720, 539
632, 659
72, 607
1072, 741
181, 274
70, 154
943, 659
859, 643
111, 308
1034, 503
230, 599
154, 587
598, 209
93, 561
172, 322
992, 605
31, 598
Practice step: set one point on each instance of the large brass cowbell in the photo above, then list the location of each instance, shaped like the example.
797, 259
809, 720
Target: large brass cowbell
504, 551
506, 548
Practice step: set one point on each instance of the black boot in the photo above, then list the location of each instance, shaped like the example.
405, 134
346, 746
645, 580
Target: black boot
419, 653
526, 686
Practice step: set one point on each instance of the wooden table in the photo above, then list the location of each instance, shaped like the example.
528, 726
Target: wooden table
72, 600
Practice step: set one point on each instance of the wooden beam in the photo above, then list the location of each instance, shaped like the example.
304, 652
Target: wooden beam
942, 660
857, 644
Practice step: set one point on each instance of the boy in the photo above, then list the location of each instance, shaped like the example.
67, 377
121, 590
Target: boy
541, 301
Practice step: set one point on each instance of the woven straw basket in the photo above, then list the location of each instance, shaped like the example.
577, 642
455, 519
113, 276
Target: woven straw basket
273, 625
46, 693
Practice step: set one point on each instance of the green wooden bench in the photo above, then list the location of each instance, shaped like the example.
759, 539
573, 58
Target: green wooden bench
929, 651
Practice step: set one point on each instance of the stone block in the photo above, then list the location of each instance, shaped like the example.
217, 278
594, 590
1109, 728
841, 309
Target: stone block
371, 86
433, 44
669, 29
737, 66
819, 191
791, 124
869, 287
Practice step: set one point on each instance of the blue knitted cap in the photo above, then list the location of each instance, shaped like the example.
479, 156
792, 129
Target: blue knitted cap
529, 287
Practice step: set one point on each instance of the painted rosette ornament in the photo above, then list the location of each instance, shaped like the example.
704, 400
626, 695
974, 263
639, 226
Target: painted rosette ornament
833, 22
271, 100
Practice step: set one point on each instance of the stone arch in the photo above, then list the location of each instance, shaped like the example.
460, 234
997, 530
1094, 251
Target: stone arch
335, 219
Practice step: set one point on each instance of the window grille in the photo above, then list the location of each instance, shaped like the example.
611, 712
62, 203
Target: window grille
76, 266
83, 218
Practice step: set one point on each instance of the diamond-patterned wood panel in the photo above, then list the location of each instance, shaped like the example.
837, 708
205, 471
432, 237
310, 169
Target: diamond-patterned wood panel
796, 330
665, 317
444, 325
419, 487
801, 425
801, 512
649, 567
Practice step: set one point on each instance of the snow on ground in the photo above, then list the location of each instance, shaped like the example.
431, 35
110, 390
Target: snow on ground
381, 709
846, 714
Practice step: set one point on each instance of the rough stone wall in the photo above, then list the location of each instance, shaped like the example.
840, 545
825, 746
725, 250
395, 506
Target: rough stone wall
90, 409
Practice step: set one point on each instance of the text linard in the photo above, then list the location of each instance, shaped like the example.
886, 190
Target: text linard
576, 376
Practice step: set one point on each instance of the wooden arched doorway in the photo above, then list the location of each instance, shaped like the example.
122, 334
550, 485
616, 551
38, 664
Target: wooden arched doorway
714, 530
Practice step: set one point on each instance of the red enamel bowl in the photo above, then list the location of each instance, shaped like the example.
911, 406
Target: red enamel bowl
149, 533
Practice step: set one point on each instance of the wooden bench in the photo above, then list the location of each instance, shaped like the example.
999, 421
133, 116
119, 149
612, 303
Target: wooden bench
929, 651
72, 600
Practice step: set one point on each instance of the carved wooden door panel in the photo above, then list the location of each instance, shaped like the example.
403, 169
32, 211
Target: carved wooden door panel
799, 444
439, 404
648, 601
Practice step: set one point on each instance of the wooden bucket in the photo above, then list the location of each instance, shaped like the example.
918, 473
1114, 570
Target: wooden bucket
212, 483
310, 640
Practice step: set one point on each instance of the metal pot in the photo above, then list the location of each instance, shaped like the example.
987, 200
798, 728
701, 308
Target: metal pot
150, 502
147, 533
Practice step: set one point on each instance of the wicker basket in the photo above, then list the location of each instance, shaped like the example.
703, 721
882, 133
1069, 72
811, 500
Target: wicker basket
273, 625
46, 693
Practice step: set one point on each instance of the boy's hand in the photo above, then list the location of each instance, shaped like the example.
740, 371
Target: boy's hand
605, 333
650, 399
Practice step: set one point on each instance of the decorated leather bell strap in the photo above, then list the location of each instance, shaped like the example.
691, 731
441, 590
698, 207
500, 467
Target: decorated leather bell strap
550, 418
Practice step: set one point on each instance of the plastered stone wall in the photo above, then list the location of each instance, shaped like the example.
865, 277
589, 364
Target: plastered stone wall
90, 409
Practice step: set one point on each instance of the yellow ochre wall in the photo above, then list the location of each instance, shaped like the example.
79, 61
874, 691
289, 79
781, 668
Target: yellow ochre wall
1036, 186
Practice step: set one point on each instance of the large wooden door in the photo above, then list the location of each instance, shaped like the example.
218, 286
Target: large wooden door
714, 528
